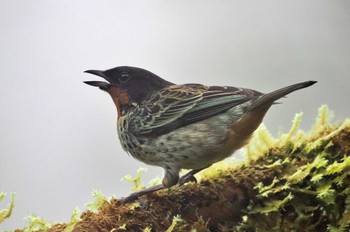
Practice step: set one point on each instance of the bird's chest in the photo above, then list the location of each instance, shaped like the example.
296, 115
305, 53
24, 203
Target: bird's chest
131, 143
126, 139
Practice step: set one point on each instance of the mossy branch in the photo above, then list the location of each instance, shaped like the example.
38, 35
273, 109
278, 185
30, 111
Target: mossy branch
300, 182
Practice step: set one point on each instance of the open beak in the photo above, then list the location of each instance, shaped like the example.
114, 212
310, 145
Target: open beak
101, 84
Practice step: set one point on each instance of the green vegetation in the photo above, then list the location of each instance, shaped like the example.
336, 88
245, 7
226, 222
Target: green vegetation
6, 213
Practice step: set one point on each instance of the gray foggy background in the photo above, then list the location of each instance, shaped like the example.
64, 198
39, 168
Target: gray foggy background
58, 137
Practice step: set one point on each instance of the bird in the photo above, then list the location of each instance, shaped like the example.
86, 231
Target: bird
182, 126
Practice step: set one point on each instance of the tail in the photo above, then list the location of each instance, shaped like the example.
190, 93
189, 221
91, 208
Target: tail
266, 100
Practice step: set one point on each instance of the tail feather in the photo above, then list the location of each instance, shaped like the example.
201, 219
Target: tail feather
266, 100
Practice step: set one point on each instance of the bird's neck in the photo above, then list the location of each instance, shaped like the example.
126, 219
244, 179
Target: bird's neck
121, 100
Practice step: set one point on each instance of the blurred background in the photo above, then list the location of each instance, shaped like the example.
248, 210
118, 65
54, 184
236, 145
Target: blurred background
58, 137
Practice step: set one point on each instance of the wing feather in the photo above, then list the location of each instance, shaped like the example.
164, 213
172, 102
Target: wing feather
181, 105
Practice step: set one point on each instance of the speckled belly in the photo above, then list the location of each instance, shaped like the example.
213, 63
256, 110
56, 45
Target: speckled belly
197, 145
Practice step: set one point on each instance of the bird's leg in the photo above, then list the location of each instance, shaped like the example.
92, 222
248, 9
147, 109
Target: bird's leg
171, 178
189, 176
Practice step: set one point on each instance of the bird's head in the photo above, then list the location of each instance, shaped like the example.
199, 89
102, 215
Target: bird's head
128, 86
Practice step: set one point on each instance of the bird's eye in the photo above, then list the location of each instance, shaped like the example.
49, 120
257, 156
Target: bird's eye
124, 77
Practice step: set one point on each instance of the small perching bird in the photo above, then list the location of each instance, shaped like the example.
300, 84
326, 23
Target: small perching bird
189, 126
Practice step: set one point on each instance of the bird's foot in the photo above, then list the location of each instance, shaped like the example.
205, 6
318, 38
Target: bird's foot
134, 196
188, 177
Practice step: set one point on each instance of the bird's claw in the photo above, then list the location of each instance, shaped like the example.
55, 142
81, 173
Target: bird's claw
187, 178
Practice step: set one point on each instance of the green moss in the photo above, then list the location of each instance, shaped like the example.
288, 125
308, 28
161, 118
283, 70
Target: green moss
98, 203
37, 224
307, 193
137, 185
6, 213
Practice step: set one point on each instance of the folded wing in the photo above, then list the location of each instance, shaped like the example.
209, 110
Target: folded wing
179, 106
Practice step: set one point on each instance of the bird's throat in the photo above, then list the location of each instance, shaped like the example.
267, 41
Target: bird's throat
120, 98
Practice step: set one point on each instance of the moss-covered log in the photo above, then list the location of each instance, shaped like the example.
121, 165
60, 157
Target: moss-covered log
300, 182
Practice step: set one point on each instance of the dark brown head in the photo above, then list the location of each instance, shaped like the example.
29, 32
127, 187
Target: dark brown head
128, 86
